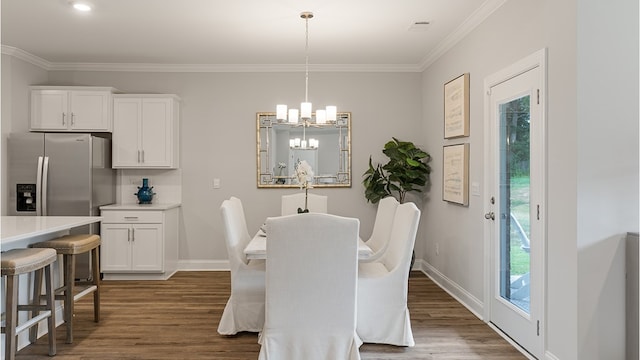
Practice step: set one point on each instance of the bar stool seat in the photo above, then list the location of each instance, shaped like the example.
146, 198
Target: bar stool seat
22, 261
69, 246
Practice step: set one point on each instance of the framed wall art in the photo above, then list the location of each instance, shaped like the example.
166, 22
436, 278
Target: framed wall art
456, 107
455, 174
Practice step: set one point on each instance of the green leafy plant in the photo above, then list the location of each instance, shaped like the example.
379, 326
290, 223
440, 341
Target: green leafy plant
406, 171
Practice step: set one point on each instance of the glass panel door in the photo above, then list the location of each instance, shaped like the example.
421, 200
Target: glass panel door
515, 207
515, 183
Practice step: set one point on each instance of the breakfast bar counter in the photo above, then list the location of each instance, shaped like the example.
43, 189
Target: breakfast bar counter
20, 231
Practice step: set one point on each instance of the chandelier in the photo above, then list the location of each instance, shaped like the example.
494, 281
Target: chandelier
305, 113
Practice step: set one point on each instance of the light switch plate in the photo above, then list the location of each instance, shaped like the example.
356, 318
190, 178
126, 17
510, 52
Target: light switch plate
475, 188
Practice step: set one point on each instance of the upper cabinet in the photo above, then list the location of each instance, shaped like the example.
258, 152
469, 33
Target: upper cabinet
71, 108
145, 131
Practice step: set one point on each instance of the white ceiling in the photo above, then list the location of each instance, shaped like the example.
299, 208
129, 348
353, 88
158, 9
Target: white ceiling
355, 34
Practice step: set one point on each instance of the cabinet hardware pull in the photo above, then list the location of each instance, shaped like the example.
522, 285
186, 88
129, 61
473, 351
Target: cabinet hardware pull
143, 156
133, 234
131, 217
128, 235
73, 122
63, 118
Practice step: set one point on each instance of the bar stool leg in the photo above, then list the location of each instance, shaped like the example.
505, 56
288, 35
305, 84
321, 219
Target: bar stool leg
37, 290
95, 260
51, 306
69, 282
11, 316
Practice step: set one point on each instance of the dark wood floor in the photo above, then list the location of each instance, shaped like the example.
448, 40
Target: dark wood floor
178, 318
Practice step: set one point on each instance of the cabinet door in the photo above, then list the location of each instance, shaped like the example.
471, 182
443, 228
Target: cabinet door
115, 250
127, 113
90, 111
49, 110
147, 249
157, 144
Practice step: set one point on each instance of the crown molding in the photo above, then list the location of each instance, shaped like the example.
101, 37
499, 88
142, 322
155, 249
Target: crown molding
25, 56
475, 19
178, 68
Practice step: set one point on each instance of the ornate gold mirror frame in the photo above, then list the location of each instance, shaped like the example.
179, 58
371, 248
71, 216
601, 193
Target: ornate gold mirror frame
280, 145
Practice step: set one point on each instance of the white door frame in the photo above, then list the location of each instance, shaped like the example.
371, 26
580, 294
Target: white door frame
537, 59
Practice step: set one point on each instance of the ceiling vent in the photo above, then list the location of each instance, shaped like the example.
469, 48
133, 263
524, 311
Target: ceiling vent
419, 26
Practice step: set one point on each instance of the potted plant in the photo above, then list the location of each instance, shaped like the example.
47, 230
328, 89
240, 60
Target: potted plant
407, 170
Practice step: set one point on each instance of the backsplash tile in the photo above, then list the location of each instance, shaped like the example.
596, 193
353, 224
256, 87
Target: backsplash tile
167, 184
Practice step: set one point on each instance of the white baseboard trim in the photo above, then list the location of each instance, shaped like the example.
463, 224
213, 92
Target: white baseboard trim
470, 302
550, 356
203, 265
465, 298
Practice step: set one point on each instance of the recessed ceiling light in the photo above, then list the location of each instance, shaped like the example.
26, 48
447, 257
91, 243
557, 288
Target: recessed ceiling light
81, 6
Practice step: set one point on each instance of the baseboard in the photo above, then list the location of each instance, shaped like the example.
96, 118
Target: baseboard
465, 298
203, 265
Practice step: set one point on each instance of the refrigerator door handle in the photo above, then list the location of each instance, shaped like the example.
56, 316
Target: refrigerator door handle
39, 187
45, 178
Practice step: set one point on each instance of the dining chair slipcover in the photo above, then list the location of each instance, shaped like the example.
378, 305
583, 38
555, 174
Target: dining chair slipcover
383, 315
379, 240
315, 203
311, 288
245, 308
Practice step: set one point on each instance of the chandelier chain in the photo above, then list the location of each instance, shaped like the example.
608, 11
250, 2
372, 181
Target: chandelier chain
306, 60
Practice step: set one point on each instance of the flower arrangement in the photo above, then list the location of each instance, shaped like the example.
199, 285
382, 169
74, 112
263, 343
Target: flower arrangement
304, 177
280, 179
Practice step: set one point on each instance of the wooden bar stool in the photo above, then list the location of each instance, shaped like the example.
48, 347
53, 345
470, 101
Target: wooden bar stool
21, 261
69, 246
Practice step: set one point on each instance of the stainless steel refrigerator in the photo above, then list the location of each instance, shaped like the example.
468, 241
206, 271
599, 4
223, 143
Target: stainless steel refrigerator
60, 174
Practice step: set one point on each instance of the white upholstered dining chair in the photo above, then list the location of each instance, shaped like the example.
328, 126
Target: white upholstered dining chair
245, 308
379, 239
383, 315
315, 203
311, 288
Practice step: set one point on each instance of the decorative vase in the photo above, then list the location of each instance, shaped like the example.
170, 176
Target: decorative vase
145, 193
306, 209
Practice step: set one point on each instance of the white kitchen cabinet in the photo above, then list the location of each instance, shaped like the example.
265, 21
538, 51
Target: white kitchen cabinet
145, 131
71, 108
139, 242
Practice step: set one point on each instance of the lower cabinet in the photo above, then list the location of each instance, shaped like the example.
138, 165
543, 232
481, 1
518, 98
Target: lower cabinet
138, 244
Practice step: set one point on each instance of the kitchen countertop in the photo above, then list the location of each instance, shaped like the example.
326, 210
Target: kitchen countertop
158, 206
17, 228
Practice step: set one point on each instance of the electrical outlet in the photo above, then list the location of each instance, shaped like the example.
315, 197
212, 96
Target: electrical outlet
216, 183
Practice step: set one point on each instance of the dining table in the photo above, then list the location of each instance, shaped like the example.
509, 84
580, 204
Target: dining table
257, 247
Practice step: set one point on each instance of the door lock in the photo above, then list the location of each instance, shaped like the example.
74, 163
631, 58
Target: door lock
490, 215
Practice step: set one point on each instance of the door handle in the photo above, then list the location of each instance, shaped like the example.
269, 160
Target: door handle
490, 215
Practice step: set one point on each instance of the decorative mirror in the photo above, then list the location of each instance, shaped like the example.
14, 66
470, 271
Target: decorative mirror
280, 145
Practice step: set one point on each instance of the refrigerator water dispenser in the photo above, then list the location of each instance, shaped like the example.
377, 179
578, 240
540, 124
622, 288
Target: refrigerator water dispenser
26, 195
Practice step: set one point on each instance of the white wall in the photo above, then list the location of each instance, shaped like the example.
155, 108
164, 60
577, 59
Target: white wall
218, 139
516, 30
607, 190
16, 76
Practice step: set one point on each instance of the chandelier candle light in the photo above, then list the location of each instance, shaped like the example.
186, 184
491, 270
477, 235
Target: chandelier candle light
322, 115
